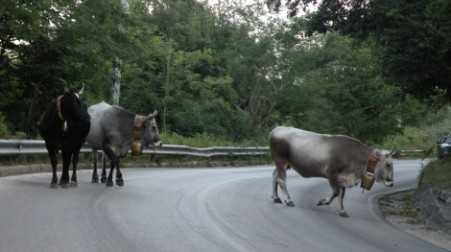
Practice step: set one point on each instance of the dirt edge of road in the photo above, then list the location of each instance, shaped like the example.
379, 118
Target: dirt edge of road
9, 170
399, 210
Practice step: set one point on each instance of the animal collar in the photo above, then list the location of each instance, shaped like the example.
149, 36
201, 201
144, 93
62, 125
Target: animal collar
137, 127
372, 162
58, 107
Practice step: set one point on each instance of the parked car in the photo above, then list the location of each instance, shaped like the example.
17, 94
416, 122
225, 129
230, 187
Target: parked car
444, 147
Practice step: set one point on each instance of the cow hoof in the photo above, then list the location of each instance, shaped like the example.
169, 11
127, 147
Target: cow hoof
95, 180
321, 202
120, 182
64, 185
290, 203
103, 180
343, 214
277, 200
109, 183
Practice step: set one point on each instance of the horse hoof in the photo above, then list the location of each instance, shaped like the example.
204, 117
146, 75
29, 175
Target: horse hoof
290, 203
95, 180
343, 214
74, 184
53, 185
277, 200
120, 182
103, 180
109, 183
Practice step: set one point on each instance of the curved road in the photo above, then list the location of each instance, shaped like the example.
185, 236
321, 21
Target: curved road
217, 209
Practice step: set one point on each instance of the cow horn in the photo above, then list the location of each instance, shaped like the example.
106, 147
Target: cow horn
82, 89
153, 114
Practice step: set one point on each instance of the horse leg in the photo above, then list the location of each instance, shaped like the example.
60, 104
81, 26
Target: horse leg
342, 212
281, 167
103, 178
95, 177
275, 196
119, 179
112, 156
53, 156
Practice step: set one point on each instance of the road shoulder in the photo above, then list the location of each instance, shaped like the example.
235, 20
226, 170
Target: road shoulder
398, 210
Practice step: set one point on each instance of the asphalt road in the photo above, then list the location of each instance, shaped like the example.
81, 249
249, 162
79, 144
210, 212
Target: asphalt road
215, 209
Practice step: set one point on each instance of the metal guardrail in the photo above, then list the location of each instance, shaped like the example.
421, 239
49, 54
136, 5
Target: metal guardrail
8, 147
411, 152
11, 147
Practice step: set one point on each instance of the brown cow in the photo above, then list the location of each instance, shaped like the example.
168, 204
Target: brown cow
342, 160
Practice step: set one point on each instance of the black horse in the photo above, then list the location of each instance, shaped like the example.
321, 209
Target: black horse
64, 126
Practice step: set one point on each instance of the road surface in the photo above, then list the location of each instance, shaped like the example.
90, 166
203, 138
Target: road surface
206, 209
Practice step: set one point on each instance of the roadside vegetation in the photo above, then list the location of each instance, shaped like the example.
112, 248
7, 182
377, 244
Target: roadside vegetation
437, 174
204, 140
223, 75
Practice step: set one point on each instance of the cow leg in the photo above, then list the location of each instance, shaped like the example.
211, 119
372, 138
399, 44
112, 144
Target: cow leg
95, 176
103, 178
109, 180
327, 201
75, 157
64, 180
275, 195
119, 179
342, 212
281, 180
53, 156
113, 158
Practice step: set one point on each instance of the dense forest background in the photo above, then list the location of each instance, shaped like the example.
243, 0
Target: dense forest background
233, 72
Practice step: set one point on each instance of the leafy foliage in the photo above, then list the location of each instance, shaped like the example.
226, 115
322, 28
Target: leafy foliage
3, 127
413, 37
437, 173
338, 88
213, 73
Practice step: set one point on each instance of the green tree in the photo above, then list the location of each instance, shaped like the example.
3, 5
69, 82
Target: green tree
338, 88
414, 37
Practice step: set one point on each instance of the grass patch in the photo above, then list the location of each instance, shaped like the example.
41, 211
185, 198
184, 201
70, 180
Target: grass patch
437, 173
410, 139
400, 204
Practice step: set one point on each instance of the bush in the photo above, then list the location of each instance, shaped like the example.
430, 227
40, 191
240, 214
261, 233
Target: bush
437, 173
205, 140
410, 139
3, 127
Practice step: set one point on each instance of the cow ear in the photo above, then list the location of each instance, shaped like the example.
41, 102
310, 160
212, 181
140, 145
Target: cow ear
394, 153
377, 153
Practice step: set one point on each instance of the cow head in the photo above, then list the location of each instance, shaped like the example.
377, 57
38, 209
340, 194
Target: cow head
151, 135
384, 168
145, 133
